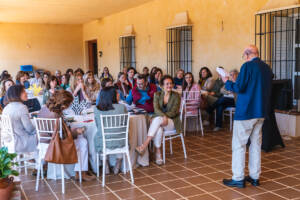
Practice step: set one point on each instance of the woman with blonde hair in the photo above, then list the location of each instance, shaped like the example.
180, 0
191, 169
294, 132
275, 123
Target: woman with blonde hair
92, 87
5, 85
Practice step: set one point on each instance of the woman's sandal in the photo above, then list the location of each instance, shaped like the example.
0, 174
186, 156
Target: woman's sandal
139, 150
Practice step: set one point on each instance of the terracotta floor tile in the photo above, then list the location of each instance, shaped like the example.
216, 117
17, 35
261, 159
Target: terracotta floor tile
165, 195
144, 181
271, 185
272, 174
288, 193
212, 187
204, 170
289, 181
203, 197
130, 193
95, 189
189, 191
197, 180
185, 173
267, 196
176, 184
217, 176
228, 194
104, 196
119, 185
164, 177
154, 188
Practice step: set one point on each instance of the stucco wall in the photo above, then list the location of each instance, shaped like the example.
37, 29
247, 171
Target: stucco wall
44, 46
212, 46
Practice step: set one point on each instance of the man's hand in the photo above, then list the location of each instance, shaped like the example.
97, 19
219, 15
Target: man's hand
225, 79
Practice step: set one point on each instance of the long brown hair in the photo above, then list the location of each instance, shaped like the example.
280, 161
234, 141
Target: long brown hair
3, 89
59, 101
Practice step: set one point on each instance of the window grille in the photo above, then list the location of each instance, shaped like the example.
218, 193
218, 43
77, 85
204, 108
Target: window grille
179, 49
277, 35
127, 52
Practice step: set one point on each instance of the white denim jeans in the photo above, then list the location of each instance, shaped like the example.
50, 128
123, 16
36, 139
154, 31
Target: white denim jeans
156, 130
242, 131
82, 146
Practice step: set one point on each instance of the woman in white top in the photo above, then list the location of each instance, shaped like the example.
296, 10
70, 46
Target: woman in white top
23, 130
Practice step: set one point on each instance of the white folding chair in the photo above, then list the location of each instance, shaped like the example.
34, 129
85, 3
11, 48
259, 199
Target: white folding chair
170, 135
229, 112
114, 125
8, 140
191, 100
45, 128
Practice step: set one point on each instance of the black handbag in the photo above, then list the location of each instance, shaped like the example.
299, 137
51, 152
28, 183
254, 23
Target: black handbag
33, 105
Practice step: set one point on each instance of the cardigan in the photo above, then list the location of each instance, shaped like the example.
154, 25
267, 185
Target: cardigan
172, 109
253, 87
23, 130
98, 140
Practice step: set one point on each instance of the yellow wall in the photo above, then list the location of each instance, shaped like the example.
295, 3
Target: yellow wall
211, 46
45, 46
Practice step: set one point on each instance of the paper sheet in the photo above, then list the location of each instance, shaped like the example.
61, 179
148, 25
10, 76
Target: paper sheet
222, 72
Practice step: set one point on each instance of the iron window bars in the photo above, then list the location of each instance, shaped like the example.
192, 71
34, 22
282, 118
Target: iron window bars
127, 52
277, 35
179, 49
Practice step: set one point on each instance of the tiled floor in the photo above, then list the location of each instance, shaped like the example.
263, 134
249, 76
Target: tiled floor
199, 177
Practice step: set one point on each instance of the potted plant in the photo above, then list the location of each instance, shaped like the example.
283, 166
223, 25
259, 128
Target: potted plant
6, 172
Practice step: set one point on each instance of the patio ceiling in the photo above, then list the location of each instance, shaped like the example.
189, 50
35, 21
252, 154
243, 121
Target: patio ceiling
61, 11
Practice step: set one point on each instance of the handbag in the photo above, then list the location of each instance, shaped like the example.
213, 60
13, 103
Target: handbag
33, 105
62, 150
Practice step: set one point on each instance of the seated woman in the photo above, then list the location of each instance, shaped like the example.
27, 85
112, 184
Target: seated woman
65, 82
46, 81
23, 130
105, 83
54, 108
189, 86
122, 86
79, 88
108, 105
21, 79
166, 116
179, 79
130, 77
106, 74
54, 85
206, 81
158, 74
5, 85
92, 88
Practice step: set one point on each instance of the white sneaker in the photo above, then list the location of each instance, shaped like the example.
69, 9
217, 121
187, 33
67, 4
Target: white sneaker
217, 129
205, 123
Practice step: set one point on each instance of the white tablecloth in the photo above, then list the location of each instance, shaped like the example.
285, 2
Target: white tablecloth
137, 134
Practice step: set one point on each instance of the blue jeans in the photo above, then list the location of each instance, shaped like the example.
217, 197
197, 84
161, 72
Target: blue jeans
220, 105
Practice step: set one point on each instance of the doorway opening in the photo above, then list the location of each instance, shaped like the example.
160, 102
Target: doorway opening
93, 56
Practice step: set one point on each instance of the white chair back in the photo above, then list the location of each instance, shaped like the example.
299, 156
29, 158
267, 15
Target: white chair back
113, 125
7, 135
191, 96
45, 128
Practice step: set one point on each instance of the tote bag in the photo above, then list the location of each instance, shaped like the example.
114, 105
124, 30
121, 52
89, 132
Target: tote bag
62, 150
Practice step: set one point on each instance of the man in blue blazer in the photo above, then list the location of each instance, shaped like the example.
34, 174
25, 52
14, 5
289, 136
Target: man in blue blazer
253, 89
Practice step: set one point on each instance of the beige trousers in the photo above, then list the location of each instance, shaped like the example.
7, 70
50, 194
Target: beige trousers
242, 131
156, 130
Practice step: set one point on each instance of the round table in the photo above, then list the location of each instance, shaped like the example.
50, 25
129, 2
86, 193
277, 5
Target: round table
137, 135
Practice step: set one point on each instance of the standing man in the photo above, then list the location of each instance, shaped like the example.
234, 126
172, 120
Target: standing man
253, 89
